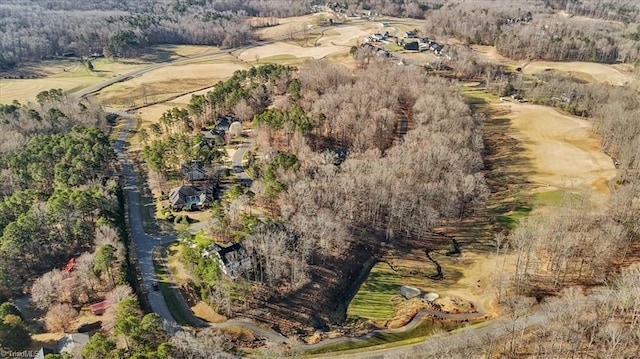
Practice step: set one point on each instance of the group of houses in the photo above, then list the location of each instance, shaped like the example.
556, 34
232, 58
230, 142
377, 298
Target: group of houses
378, 51
199, 195
411, 41
378, 37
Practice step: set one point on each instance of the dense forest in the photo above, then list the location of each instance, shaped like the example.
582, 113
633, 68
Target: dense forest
34, 30
534, 31
62, 230
57, 188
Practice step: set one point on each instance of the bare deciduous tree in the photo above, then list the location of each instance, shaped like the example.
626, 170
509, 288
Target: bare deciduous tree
60, 317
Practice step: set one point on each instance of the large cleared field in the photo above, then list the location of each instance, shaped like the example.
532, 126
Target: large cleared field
564, 151
586, 71
618, 74
165, 82
69, 76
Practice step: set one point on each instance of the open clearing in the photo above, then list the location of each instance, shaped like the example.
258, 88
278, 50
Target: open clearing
468, 277
69, 76
586, 71
284, 48
563, 149
173, 80
72, 75
618, 75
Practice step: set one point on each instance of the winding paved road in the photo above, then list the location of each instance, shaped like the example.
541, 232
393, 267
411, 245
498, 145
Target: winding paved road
142, 243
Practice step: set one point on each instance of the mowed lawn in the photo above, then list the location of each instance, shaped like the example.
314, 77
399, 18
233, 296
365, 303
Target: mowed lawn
379, 296
373, 300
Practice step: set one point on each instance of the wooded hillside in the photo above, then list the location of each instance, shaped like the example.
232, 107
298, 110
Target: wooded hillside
31, 31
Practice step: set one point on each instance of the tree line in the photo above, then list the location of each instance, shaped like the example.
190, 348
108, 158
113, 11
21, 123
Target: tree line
124, 29
546, 36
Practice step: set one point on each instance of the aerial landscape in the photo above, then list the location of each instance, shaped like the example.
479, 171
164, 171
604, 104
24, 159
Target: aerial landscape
310, 179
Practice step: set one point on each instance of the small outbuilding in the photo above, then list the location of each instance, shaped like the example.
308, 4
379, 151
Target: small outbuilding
99, 308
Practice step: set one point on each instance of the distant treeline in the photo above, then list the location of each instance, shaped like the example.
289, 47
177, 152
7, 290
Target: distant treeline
34, 31
524, 30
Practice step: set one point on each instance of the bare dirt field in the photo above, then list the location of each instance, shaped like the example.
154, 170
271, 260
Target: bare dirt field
563, 150
203, 311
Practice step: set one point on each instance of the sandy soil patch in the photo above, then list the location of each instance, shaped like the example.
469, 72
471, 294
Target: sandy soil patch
46, 339
563, 149
471, 278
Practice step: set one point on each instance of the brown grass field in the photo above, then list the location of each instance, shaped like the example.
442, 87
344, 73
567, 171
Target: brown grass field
70, 76
617, 74
564, 150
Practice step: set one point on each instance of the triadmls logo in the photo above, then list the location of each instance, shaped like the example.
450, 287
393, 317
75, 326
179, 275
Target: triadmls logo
4, 353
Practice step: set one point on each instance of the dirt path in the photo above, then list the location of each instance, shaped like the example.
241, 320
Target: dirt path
564, 151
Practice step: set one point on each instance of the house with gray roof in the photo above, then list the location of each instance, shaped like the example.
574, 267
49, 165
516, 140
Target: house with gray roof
189, 198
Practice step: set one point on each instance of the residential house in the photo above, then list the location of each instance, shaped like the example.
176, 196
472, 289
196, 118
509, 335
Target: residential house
411, 46
223, 123
194, 171
212, 137
189, 198
233, 259
73, 344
